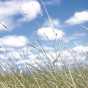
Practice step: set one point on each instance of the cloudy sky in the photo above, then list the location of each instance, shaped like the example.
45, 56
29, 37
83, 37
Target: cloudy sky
54, 23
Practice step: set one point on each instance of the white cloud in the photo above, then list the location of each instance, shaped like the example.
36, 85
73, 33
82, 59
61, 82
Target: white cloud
22, 57
81, 48
50, 32
13, 41
70, 55
78, 17
28, 9
31, 9
7, 10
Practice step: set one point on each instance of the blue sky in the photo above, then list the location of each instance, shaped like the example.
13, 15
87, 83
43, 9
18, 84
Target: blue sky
24, 21
59, 10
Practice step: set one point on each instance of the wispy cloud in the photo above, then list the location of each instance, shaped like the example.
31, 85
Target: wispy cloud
78, 18
75, 37
54, 22
53, 2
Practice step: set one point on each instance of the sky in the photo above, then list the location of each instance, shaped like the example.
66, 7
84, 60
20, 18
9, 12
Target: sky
60, 24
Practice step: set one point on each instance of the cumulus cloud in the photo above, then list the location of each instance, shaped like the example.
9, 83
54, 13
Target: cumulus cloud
23, 56
75, 55
31, 9
28, 9
13, 41
78, 18
50, 33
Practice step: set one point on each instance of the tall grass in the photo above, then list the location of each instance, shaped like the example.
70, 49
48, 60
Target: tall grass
46, 79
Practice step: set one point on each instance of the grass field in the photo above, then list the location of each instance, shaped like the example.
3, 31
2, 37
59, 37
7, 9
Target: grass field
67, 78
